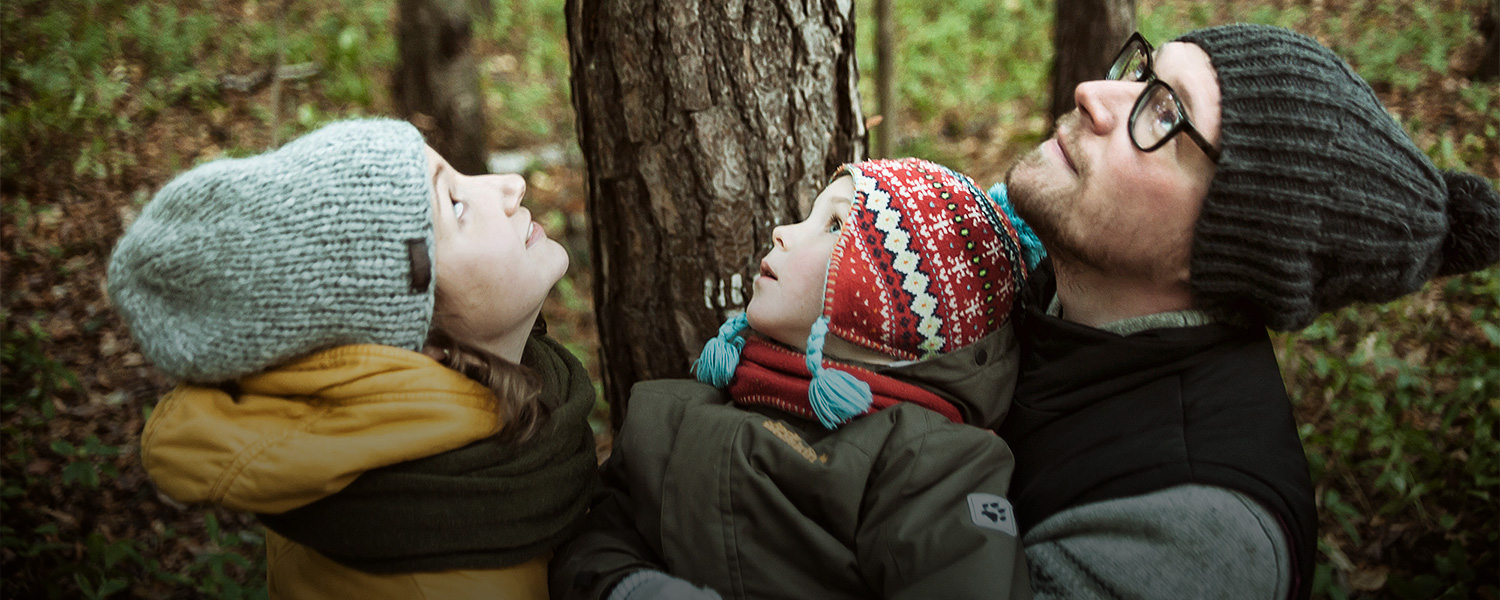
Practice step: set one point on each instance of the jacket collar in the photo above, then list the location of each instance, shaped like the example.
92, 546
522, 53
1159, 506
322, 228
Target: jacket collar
302, 431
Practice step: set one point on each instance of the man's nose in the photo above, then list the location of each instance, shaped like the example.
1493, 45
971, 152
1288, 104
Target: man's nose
1106, 103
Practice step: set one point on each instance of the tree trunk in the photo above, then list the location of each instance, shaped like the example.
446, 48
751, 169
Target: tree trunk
703, 125
1489, 30
885, 80
1087, 34
437, 83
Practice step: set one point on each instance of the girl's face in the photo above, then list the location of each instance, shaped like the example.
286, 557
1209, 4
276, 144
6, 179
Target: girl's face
494, 264
789, 291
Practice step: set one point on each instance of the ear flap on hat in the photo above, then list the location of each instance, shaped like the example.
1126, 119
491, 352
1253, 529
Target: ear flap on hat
721, 355
836, 396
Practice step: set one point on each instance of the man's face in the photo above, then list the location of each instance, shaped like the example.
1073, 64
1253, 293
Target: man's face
1099, 202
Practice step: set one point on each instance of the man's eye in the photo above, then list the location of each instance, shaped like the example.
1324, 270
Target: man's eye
458, 209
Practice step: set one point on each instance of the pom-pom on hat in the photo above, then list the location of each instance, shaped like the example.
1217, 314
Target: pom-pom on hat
926, 264
241, 264
1319, 198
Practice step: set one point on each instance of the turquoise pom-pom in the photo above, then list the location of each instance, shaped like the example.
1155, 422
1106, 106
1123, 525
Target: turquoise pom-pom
1031, 246
721, 355
836, 396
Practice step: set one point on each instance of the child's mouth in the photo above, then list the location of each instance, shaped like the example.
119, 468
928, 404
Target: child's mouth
765, 271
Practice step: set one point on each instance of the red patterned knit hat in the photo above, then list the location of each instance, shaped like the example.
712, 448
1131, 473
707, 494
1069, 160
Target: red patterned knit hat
927, 264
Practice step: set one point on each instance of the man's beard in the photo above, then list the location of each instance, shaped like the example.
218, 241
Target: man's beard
1057, 216
1045, 209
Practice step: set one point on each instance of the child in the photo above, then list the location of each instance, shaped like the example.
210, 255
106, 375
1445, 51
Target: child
352, 321
837, 446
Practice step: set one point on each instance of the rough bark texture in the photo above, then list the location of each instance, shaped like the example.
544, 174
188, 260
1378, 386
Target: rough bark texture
437, 83
703, 125
1087, 35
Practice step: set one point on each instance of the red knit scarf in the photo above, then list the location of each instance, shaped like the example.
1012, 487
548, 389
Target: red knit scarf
772, 375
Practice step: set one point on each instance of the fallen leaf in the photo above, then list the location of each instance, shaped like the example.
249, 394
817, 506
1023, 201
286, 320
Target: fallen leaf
109, 344
1369, 580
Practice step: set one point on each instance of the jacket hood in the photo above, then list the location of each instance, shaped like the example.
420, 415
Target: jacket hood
297, 433
978, 379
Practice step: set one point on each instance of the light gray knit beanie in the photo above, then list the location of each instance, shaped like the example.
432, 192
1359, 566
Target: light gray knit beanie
242, 264
1319, 198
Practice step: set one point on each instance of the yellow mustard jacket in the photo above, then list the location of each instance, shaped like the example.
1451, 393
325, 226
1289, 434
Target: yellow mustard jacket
304, 431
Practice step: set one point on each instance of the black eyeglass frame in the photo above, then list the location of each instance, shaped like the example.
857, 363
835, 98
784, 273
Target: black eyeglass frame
1138, 43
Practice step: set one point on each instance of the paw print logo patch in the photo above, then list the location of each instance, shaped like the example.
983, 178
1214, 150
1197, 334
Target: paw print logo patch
992, 512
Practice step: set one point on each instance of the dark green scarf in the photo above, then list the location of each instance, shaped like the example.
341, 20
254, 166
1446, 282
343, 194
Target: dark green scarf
487, 505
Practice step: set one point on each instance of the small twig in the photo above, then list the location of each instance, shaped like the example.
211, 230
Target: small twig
258, 79
281, 11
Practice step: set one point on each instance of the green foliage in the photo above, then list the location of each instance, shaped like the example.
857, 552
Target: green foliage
969, 67
524, 66
1413, 426
354, 44
85, 74
1420, 45
30, 376
67, 77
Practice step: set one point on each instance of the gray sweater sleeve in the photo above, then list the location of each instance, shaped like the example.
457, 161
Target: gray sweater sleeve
1188, 541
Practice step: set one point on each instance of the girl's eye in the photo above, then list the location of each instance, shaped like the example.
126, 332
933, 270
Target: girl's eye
458, 209
835, 225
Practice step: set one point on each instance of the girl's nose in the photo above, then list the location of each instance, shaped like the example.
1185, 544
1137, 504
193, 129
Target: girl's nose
512, 188
509, 188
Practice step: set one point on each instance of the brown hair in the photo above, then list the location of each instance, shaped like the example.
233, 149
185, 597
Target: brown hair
517, 389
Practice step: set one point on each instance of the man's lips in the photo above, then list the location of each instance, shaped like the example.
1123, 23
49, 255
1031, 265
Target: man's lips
1062, 151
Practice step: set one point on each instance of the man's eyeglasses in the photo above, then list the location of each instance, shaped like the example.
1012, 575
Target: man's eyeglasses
1158, 114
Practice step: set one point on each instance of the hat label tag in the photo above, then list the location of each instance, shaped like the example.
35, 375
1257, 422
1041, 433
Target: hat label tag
421, 265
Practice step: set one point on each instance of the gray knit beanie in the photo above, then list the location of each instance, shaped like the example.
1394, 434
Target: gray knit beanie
1320, 199
242, 264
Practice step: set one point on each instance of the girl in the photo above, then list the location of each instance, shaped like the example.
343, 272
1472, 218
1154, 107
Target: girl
352, 321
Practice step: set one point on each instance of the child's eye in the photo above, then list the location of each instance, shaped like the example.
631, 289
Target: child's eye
835, 225
458, 209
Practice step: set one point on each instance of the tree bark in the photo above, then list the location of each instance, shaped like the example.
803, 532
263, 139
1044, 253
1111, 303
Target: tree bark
436, 86
1489, 30
1087, 34
885, 80
703, 125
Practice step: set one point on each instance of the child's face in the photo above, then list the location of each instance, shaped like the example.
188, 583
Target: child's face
494, 264
789, 291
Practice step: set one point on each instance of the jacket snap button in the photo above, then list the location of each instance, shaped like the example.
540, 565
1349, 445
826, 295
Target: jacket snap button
980, 357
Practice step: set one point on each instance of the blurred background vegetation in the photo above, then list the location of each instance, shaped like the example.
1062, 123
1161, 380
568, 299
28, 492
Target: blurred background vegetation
104, 100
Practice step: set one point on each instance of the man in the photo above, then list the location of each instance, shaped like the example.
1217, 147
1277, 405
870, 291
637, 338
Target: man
1242, 177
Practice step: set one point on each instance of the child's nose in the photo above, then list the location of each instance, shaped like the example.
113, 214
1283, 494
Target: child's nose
778, 236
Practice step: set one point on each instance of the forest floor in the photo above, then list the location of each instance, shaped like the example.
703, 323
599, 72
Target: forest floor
105, 100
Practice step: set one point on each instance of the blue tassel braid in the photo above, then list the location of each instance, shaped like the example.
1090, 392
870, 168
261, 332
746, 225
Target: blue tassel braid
836, 396
1031, 247
721, 355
